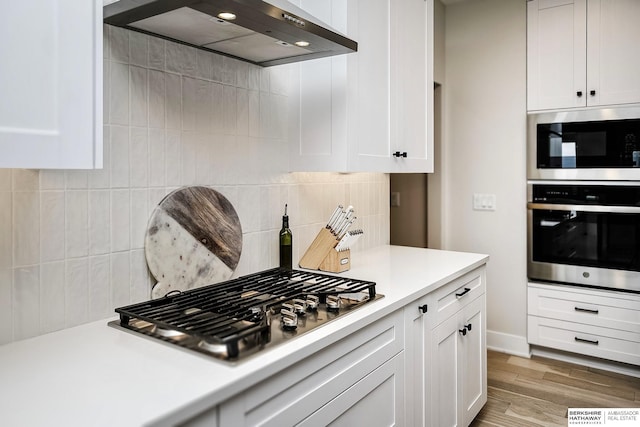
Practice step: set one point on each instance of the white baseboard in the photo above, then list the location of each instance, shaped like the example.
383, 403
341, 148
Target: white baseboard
507, 343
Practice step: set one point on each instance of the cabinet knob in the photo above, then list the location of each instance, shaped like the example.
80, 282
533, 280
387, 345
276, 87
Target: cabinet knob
592, 93
468, 327
579, 93
423, 308
463, 331
400, 154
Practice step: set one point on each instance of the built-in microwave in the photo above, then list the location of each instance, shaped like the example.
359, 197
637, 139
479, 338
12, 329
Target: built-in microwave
595, 144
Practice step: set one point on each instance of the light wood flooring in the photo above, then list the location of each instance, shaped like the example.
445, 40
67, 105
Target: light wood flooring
538, 391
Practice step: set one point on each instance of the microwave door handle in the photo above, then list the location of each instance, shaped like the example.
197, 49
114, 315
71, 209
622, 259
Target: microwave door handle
584, 208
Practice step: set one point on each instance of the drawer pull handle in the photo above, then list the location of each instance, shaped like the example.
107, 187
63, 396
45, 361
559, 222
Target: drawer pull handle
463, 292
586, 341
585, 310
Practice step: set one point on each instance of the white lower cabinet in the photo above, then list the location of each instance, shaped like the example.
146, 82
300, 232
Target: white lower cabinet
359, 376
591, 322
446, 364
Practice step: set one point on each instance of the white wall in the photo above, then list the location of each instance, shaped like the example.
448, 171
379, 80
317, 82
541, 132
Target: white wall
484, 143
71, 242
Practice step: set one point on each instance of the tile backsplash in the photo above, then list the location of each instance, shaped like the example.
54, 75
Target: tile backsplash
72, 241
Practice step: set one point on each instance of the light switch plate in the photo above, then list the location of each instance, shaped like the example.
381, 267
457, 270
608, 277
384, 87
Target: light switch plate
484, 202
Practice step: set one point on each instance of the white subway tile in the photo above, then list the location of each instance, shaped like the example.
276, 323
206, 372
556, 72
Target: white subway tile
217, 113
52, 295
265, 80
99, 287
119, 44
52, 217
101, 178
139, 158
253, 78
180, 59
138, 49
279, 117
189, 103
120, 279
119, 157
106, 91
6, 227
204, 64
119, 99
156, 158
139, 217
6, 306
254, 113
248, 199
26, 228
173, 158
204, 150
188, 156
204, 106
242, 112
51, 179
106, 41
26, 180
280, 79
266, 121
140, 280
99, 221
229, 71
120, 226
138, 92
26, 302
77, 223
230, 110
76, 179
155, 197
77, 292
156, 53
218, 68
242, 74
5, 180
156, 99
173, 104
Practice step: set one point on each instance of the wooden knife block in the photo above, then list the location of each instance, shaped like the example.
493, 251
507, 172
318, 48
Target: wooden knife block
321, 254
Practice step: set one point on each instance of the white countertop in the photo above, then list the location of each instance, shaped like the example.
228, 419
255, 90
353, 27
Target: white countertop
95, 375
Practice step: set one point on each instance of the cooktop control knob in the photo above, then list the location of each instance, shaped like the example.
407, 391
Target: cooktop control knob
289, 317
312, 302
299, 306
333, 302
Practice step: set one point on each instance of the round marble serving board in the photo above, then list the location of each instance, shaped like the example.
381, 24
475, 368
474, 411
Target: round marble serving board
193, 239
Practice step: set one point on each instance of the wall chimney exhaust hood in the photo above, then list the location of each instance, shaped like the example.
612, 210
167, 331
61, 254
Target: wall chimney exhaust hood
265, 33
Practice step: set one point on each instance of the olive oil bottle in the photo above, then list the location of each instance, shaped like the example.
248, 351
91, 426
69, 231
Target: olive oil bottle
286, 243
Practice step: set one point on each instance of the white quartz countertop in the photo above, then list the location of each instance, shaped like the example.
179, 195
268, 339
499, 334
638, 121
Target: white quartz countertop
95, 375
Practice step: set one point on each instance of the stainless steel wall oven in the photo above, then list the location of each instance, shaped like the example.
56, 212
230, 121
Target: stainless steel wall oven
585, 233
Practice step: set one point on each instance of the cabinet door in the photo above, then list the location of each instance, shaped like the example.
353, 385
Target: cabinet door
474, 360
613, 36
445, 374
556, 54
51, 84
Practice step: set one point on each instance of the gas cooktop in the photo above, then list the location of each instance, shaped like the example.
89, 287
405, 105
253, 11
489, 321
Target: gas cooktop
238, 318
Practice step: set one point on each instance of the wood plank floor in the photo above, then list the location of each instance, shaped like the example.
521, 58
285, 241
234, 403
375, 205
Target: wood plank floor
538, 391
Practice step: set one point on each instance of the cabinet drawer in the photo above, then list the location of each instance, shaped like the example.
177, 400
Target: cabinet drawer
450, 298
290, 397
590, 340
590, 307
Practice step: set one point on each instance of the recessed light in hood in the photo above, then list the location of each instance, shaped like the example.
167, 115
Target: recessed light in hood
261, 32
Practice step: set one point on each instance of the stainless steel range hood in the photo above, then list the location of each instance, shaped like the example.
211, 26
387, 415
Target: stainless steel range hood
264, 33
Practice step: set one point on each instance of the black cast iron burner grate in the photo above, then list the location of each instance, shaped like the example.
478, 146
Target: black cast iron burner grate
226, 318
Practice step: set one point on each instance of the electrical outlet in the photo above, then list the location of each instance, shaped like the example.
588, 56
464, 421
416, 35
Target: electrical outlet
395, 199
484, 202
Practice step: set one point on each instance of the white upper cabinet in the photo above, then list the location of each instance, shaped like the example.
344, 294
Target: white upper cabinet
580, 53
371, 110
51, 84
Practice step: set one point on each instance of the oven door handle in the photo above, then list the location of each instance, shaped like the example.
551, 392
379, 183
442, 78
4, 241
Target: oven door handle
584, 208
